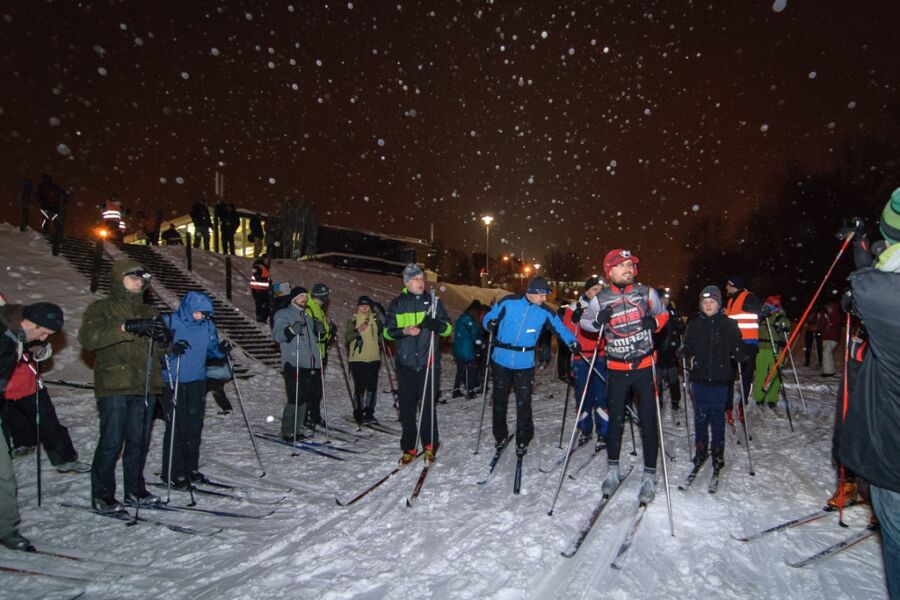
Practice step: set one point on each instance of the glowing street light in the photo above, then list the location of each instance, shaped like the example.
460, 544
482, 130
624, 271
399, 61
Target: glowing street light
487, 219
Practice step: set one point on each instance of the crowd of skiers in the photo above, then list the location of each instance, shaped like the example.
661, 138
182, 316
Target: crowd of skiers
627, 343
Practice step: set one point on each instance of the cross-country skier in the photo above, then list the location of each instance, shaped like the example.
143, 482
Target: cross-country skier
629, 314
774, 320
744, 307
363, 339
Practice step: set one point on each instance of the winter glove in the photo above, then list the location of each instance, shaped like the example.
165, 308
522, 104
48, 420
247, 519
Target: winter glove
179, 347
432, 323
857, 227
603, 317
152, 328
358, 344
649, 323
847, 301
492, 325
295, 328
575, 348
765, 312
576, 313
225, 346
332, 329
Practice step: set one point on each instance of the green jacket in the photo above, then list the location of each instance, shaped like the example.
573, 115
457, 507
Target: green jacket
314, 309
364, 346
120, 359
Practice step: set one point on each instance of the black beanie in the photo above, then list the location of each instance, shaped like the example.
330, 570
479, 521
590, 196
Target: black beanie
297, 291
44, 314
365, 300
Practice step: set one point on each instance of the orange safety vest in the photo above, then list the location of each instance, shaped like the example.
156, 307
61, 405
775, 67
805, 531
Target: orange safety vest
261, 284
748, 322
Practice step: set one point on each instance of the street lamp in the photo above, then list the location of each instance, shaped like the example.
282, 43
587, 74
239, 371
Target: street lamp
488, 219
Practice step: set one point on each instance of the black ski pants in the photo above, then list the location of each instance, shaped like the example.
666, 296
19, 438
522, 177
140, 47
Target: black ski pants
189, 411
522, 381
262, 300
301, 390
365, 385
619, 385
410, 386
19, 423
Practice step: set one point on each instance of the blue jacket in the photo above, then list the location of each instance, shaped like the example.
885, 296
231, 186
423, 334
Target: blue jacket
520, 326
201, 335
465, 333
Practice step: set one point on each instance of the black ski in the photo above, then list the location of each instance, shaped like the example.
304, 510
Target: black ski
714, 481
375, 485
71, 384
70, 554
592, 519
517, 480
833, 549
619, 560
808, 518
419, 483
495, 459
584, 464
692, 475
299, 445
23, 571
560, 460
208, 511
235, 497
375, 426
126, 517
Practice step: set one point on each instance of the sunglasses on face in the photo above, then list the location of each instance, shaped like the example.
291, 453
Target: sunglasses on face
140, 273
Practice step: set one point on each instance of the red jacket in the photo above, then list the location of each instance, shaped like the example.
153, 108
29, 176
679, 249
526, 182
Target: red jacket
586, 339
831, 324
22, 381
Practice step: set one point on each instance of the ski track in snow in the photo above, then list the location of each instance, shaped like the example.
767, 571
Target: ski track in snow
459, 540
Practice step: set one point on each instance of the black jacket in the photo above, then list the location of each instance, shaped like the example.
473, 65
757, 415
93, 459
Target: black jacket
870, 441
668, 339
710, 344
406, 310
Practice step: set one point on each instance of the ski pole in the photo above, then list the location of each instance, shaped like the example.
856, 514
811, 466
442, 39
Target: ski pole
353, 402
240, 397
38, 384
323, 409
387, 367
487, 366
565, 468
662, 446
687, 398
144, 428
562, 427
296, 391
429, 371
630, 414
787, 404
796, 377
744, 419
434, 302
593, 369
172, 435
802, 320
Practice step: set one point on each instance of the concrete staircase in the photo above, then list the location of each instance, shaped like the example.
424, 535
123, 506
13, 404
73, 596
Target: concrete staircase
243, 331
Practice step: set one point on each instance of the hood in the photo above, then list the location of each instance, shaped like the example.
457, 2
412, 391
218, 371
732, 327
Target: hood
192, 302
889, 260
11, 316
117, 289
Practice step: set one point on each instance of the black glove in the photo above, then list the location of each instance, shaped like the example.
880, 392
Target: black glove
435, 325
152, 328
783, 329
332, 328
295, 328
225, 346
575, 347
179, 347
603, 317
492, 325
649, 323
576, 313
857, 227
765, 312
847, 301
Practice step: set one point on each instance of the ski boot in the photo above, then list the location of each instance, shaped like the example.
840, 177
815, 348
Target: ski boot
849, 494
718, 456
408, 457
613, 479
198, 477
499, 446
583, 438
144, 498
429, 453
358, 416
471, 394
648, 486
457, 393
73, 466
521, 450
16, 541
107, 505
601, 443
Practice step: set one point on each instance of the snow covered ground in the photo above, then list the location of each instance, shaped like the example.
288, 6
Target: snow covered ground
459, 540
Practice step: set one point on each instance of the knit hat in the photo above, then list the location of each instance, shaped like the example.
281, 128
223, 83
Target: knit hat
618, 256
44, 314
538, 285
365, 301
411, 270
321, 291
890, 219
737, 281
774, 301
297, 291
592, 281
711, 291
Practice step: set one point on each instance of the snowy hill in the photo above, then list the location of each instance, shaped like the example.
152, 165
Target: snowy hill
459, 539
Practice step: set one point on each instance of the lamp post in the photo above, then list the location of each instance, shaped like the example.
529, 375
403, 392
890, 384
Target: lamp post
488, 219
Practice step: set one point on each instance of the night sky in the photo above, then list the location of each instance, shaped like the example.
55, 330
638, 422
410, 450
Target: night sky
577, 125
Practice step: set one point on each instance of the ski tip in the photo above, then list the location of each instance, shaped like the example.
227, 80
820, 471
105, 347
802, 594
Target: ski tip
752, 473
549, 513
740, 538
408, 503
338, 502
616, 566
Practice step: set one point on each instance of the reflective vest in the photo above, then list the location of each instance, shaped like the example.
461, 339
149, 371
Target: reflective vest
261, 283
112, 212
748, 322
